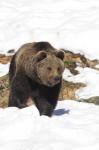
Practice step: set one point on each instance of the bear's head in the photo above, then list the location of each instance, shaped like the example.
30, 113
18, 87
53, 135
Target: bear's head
49, 67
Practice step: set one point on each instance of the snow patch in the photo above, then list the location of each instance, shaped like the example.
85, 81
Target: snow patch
4, 68
88, 76
25, 129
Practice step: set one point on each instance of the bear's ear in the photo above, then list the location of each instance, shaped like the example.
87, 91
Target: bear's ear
60, 55
41, 55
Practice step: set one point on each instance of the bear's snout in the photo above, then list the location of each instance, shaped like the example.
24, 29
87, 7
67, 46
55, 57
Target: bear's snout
57, 78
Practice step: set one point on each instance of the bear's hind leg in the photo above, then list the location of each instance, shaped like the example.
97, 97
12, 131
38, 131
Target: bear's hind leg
19, 91
17, 100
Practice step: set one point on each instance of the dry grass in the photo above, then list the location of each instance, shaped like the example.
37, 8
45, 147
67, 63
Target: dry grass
4, 91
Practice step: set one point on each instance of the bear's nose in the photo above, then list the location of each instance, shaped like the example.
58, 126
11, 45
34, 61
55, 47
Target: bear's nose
57, 78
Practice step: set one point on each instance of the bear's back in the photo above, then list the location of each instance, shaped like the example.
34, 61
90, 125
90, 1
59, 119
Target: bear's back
31, 49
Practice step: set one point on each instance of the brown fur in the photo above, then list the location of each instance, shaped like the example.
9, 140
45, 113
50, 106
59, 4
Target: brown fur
26, 59
36, 74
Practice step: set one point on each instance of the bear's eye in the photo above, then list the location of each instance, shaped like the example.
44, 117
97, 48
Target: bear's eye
59, 70
49, 68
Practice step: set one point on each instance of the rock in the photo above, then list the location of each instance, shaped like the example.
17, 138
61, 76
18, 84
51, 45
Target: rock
4, 91
68, 90
94, 100
11, 51
5, 59
72, 60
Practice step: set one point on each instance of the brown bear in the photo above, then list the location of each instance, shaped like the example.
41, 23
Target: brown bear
36, 73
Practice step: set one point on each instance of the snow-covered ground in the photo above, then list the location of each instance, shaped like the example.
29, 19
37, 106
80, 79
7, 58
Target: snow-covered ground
72, 24
88, 76
69, 24
4, 69
74, 126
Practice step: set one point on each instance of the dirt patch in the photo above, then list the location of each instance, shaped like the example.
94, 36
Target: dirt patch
5, 59
94, 99
68, 89
72, 60
4, 91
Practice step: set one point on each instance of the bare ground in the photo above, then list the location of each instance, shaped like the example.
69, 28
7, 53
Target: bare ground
68, 89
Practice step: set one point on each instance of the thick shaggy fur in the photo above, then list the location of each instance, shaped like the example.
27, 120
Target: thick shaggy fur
36, 73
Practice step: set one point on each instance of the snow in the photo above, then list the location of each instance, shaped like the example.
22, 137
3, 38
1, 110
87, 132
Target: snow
4, 68
74, 126
88, 76
68, 24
